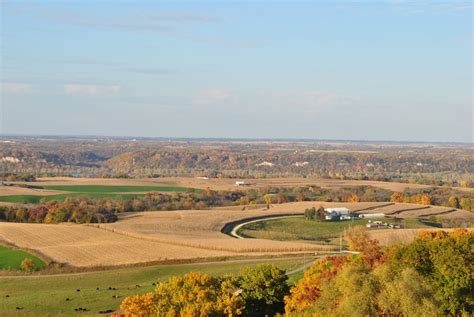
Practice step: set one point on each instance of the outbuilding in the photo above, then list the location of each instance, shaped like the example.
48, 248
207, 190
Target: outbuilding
375, 215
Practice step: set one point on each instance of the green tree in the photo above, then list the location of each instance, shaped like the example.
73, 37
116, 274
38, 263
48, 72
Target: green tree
263, 290
309, 213
321, 213
404, 292
351, 293
447, 261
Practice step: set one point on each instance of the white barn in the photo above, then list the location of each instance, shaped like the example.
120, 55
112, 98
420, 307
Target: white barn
339, 211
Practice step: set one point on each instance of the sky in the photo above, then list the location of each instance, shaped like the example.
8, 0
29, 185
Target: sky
351, 70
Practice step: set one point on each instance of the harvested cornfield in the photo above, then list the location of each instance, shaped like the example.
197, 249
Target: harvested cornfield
301, 206
395, 209
430, 211
390, 237
83, 246
406, 210
202, 229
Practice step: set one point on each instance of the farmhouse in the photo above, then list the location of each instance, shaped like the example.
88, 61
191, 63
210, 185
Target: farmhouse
341, 213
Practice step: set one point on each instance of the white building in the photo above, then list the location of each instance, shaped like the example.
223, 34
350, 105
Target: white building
339, 211
376, 215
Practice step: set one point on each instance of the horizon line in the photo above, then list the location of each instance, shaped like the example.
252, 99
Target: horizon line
252, 139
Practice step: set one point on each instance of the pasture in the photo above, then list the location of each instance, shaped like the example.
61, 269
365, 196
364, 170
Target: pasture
33, 199
47, 295
115, 188
298, 228
62, 192
10, 259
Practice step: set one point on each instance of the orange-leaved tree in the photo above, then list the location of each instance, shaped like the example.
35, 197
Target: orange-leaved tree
308, 289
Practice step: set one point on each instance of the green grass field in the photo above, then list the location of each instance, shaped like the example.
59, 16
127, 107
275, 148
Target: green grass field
92, 191
298, 228
21, 199
11, 259
32, 199
46, 295
116, 188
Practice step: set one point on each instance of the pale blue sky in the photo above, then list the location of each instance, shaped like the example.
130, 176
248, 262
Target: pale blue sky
392, 70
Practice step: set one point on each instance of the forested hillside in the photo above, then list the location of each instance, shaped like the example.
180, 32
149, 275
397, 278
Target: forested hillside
437, 164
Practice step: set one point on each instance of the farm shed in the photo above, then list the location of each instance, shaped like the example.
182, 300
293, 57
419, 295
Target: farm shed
375, 215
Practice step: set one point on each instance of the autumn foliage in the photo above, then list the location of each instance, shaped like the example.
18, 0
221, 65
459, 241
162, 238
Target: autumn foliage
255, 290
139, 305
430, 277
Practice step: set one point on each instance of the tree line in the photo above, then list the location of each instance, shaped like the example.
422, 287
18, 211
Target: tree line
432, 165
432, 276
86, 210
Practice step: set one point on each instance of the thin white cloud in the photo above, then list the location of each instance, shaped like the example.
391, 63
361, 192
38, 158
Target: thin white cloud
319, 98
212, 97
92, 90
15, 88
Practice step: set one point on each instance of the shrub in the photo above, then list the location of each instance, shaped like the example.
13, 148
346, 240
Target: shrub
27, 265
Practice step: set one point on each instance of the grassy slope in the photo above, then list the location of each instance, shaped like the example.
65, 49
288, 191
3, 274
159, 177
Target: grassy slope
43, 296
115, 188
11, 258
298, 228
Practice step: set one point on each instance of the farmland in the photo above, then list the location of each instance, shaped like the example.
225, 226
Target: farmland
46, 295
155, 236
10, 259
298, 228
181, 183
114, 188
61, 192
143, 237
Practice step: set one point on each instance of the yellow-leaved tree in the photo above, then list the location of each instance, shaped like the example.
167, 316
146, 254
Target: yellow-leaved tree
194, 295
